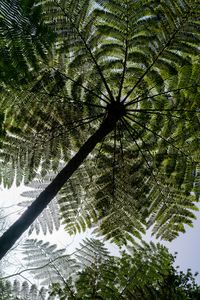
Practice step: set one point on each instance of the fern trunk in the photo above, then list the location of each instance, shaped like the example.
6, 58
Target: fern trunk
9, 238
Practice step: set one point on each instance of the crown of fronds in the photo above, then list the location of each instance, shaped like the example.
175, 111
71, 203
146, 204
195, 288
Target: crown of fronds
143, 55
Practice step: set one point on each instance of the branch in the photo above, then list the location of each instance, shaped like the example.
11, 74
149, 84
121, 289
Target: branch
160, 136
159, 94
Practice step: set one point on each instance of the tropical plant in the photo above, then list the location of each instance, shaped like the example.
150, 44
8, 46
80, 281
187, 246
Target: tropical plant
144, 271
121, 89
49, 265
148, 274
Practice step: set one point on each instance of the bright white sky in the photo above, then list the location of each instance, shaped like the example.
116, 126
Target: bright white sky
187, 245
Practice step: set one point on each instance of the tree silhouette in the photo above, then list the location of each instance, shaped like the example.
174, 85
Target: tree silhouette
120, 87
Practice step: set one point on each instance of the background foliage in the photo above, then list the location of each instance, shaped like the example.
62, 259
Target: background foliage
142, 272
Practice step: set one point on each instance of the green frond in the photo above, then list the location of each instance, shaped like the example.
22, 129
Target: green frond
91, 252
141, 274
25, 40
77, 210
22, 291
49, 220
47, 263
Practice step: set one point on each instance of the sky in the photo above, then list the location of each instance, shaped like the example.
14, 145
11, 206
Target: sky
187, 245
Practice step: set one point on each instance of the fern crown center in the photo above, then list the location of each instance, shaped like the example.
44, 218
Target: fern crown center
116, 110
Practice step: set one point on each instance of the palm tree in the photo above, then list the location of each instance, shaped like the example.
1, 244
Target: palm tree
121, 89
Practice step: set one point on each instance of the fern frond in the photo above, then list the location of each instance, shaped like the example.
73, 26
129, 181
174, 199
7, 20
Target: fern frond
49, 220
24, 41
47, 263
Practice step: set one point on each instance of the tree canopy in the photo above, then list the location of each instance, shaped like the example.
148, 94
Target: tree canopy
111, 89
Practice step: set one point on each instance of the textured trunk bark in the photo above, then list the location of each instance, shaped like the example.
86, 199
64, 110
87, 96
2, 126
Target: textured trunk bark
8, 239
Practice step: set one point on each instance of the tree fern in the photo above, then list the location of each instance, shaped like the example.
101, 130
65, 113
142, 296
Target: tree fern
123, 76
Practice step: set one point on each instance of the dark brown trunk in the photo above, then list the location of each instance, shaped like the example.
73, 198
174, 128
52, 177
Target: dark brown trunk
9, 238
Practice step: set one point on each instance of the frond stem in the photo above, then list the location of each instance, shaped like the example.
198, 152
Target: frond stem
124, 64
167, 43
84, 87
158, 135
89, 51
113, 165
127, 125
78, 125
154, 113
156, 95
